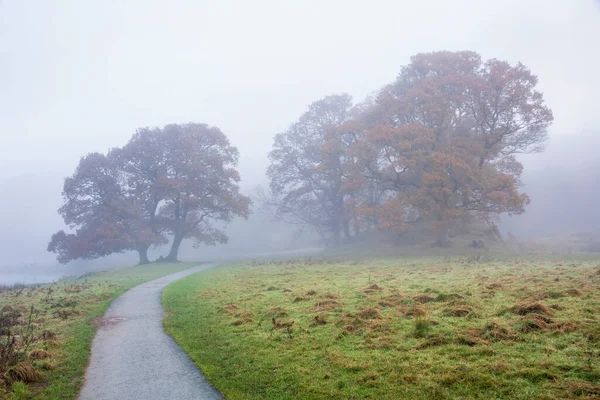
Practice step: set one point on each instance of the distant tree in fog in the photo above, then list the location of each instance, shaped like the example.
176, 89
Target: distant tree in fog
179, 180
438, 145
444, 136
106, 219
186, 173
306, 177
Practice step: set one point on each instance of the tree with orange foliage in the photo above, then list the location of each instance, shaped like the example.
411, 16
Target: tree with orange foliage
442, 140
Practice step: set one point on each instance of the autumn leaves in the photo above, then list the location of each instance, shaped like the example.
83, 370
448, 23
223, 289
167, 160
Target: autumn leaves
438, 145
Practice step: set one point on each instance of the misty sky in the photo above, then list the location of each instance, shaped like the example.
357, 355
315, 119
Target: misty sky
80, 76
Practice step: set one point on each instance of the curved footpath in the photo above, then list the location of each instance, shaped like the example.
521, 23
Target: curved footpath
133, 357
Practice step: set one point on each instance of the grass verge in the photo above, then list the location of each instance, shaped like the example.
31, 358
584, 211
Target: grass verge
53, 326
393, 328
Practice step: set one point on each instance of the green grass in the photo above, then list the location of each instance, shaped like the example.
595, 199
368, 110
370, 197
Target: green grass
393, 328
69, 311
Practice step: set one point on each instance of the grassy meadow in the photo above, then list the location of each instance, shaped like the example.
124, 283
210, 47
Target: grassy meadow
419, 328
53, 327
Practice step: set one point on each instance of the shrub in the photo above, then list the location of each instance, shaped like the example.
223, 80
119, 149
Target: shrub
421, 326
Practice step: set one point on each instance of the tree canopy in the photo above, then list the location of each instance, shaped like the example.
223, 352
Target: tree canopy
178, 182
437, 145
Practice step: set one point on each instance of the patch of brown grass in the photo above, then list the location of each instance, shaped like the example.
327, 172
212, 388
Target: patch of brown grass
495, 331
533, 322
563, 327
423, 298
581, 388
438, 340
326, 304
39, 354
369, 313
458, 311
495, 286
392, 300
532, 307
372, 288
24, 372
472, 340
415, 311
574, 293
319, 319
47, 335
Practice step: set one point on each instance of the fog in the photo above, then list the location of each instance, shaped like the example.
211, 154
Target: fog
78, 77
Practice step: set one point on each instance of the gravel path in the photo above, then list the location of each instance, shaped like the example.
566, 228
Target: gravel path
132, 356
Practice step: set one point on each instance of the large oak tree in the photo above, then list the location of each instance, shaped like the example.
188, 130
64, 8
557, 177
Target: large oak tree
105, 218
444, 138
180, 180
196, 175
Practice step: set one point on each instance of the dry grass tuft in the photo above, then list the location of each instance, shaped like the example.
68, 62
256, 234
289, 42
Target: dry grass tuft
39, 354
495, 331
446, 297
392, 300
423, 298
327, 304
472, 340
415, 311
24, 372
369, 313
581, 389
372, 288
277, 312
48, 335
563, 327
533, 322
495, 286
574, 293
438, 340
535, 307
458, 311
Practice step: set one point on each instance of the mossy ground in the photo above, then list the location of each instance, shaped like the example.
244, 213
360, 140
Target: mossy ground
420, 328
64, 322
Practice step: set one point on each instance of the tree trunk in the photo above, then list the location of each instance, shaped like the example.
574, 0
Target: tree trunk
143, 253
347, 229
337, 235
172, 257
442, 239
